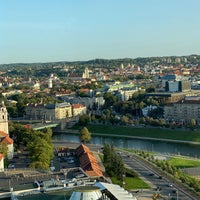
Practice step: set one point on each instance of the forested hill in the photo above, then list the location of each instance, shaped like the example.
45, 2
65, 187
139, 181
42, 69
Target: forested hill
194, 59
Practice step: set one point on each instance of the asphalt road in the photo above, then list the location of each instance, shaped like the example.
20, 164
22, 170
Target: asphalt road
165, 187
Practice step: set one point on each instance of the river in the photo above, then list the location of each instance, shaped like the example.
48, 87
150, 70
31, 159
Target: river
183, 149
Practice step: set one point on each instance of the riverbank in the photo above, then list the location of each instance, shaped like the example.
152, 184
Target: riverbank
145, 133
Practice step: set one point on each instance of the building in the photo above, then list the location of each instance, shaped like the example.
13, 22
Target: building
78, 109
170, 77
75, 77
126, 94
48, 112
101, 191
4, 138
89, 102
178, 86
63, 110
4, 134
1, 163
50, 83
88, 162
3, 118
84, 193
183, 111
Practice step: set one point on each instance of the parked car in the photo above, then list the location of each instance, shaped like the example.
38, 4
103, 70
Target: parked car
80, 175
11, 166
169, 185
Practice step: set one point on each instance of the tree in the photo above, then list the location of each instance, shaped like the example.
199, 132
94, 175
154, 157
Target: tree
4, 149
125, 119
85, 135
84, 119
192, 124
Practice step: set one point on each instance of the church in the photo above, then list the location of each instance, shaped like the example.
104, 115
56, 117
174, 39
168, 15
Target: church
4, 135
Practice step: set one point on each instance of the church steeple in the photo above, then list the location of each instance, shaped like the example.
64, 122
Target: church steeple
3, 118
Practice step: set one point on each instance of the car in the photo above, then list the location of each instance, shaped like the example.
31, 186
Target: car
11, 166
158, 188
80, 175
160, 177
169, 185
70, 161
151, 174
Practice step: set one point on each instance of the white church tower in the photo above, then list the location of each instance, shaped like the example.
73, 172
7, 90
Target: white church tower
3, 118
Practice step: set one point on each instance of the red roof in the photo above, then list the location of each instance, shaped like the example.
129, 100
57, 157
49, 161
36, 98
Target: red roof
7, 140
1, 156
88, 162
76, 106
4, 137
3, 134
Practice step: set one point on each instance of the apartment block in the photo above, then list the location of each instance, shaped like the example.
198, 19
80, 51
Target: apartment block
183, 111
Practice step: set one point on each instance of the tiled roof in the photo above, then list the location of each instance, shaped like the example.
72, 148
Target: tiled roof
76, 106
3, 134
4, 137
82, 149
88, 162
1, 156
7, 140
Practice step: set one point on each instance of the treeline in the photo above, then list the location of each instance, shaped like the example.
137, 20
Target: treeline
38, 143
195, 59
113, 162
115, 167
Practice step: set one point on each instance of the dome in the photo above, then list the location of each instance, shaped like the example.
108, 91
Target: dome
86, 193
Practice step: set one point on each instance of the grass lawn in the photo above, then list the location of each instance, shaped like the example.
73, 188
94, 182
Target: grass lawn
144, 132
131, 183
183, 163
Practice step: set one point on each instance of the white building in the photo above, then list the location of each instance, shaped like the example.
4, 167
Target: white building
78, 109
1, 163
4, 134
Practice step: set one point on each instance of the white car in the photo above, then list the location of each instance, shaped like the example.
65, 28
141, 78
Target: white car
70, 161
169, 185
80, 175
11, 166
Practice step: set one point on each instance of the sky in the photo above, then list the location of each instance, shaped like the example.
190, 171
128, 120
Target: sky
78, 30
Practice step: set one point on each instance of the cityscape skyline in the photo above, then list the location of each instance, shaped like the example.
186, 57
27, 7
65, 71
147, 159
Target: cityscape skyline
53, 31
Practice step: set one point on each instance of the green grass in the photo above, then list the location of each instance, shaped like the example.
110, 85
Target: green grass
143, 132
131, 183
183, 162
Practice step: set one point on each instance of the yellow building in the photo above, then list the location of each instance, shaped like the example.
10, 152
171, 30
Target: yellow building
63, 110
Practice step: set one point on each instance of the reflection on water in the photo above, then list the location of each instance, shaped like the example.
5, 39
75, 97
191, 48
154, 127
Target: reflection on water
139, 144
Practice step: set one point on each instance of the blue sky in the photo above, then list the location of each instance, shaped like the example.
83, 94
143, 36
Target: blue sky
71, 30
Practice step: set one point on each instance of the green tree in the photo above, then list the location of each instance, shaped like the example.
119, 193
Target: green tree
41, 153
4, 149
192, 124
85, 135
125, 119
84, 119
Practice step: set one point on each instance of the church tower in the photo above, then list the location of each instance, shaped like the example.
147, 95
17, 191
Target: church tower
3, 118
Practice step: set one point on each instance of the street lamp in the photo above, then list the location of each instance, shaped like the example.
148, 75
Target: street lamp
176, 194
124, 182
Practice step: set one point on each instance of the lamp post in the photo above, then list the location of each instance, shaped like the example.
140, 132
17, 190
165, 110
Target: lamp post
176, 194
124, 181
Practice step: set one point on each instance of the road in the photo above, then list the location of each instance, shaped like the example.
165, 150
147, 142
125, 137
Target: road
165, 187
149, 174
